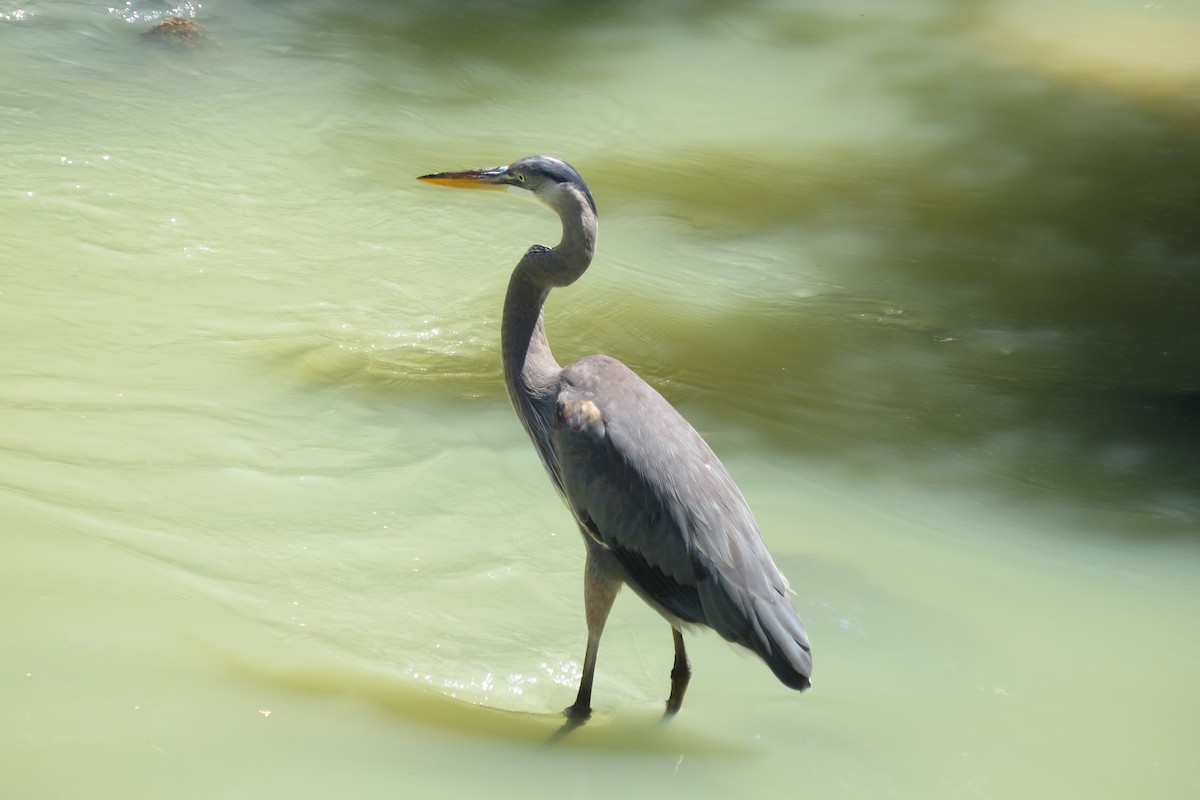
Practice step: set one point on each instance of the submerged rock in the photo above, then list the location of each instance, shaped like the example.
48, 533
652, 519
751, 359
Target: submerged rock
178, 31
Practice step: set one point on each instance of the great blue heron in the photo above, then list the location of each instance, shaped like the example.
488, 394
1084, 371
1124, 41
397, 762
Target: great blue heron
656, 508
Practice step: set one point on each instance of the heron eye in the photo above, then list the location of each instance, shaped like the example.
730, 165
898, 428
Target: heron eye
521, 177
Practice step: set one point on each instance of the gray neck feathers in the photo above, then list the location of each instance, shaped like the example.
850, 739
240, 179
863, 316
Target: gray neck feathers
530, 371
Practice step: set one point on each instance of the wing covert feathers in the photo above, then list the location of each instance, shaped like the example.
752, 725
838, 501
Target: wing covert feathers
645, 485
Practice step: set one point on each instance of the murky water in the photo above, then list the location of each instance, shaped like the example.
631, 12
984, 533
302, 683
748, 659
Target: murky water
926, 278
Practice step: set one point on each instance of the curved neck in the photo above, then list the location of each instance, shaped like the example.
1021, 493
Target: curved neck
529, 366
530, 371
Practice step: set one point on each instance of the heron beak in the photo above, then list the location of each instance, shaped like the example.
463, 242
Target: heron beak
469, 178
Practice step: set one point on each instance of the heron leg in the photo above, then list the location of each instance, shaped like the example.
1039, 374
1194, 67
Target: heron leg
599, 592
681, 673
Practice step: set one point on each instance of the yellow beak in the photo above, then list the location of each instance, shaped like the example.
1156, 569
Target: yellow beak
469, 178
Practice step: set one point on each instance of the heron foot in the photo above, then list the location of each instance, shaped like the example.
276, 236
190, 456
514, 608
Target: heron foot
575, 718
577, 713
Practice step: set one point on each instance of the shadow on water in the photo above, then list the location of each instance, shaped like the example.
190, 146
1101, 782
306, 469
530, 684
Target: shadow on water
402, 698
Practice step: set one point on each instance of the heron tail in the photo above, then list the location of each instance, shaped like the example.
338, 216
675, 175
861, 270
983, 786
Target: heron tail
780, 639
770, 626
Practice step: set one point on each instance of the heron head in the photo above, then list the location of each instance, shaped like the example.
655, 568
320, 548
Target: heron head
549, 179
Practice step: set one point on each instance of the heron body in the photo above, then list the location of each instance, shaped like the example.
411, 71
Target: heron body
657, 509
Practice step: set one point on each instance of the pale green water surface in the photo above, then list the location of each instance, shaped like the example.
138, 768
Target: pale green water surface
927, 279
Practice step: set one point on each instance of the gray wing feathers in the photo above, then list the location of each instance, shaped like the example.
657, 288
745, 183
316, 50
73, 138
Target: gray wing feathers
648, 487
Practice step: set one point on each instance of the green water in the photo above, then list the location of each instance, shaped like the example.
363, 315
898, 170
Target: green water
926, 279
